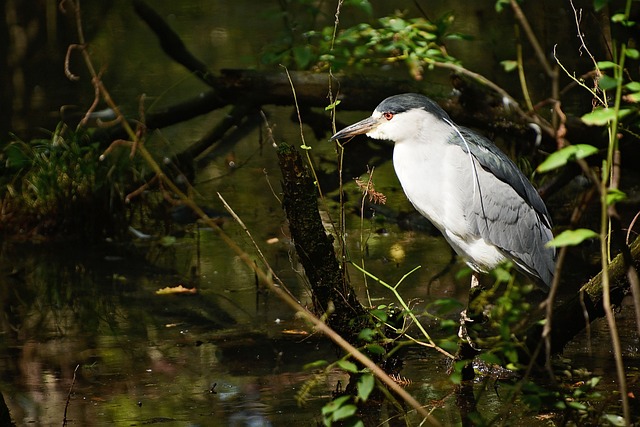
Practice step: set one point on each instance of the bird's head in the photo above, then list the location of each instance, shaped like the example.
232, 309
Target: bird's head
398, 118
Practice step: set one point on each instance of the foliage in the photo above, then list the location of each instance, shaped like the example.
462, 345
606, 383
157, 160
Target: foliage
395, 39
414, 42
59, 186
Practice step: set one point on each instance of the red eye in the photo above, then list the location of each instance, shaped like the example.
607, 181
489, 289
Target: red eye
388, 116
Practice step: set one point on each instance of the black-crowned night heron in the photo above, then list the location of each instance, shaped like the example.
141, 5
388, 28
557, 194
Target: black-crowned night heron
471, 191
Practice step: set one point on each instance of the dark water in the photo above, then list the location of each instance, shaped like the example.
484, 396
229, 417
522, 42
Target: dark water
84, 326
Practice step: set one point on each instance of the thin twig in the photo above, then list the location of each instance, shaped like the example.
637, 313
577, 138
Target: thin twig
66, 406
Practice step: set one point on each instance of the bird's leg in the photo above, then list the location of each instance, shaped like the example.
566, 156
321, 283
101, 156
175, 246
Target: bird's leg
467, 350
464, 318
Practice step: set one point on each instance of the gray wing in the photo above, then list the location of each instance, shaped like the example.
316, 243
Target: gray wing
508, 213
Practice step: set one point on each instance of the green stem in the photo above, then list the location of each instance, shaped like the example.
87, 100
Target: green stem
605, 241
405, 307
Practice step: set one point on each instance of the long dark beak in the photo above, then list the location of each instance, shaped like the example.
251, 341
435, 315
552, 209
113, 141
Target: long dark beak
363, 126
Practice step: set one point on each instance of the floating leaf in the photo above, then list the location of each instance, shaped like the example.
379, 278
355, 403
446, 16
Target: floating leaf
176, 290
564, 155
572, 237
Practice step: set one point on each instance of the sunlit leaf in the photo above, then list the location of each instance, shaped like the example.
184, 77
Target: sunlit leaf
599, 116
564, 155
335, 404
344, 411
348, 366
615, 420
365, 386
333, 105
633, 86
572, 237
633, 53
604, 65
509, 65
576, 405
614, 196
176, 290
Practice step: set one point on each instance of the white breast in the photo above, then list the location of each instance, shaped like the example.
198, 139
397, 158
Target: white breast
438, 179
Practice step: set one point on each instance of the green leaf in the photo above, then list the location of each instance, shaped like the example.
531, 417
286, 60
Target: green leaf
614, 419
572, 237
303, 56
365, 386
509, 65
333, 105
607, 82
633, 53
376, 349
633, 86
344, 411
600, 4
564, 155
604, 65
336, 403
367, 334
380, 315
348, 366
490, 358
617, 17
449, 345
614, 196
576, 405
599, 116
445, 305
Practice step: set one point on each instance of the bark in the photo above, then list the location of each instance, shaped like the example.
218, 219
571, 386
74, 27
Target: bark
332, 293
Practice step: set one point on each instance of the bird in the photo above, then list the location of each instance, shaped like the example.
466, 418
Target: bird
482, 203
